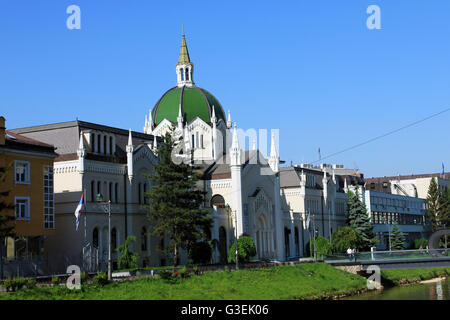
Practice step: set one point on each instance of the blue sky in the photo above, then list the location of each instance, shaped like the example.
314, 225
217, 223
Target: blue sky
309, 68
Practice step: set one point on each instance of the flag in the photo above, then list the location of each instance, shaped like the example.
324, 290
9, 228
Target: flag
320, 157
308, 219
79, 210
443, 171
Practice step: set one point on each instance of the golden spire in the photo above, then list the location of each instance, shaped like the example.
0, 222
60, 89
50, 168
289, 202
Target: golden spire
184, 53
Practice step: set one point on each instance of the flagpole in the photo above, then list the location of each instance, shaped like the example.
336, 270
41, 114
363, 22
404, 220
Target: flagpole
85, 215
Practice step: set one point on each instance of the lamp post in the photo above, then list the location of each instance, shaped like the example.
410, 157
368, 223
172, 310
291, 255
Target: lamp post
106, 206
235, 233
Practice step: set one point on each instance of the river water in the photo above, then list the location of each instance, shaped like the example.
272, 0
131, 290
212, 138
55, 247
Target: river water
429, 291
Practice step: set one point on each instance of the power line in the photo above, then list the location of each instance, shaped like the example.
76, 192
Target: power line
383, 135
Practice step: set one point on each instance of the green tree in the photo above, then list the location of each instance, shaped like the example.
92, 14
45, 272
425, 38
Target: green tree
176, 202
433, 204
359, 220
200, 252
322, 245
246, 250
344, 238
127, 259
397, 238
6, 219
444, 209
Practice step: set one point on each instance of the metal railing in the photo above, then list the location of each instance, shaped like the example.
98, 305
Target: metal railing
390, 255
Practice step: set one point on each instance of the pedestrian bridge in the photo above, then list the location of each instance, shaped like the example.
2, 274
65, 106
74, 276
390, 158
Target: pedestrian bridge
397, 259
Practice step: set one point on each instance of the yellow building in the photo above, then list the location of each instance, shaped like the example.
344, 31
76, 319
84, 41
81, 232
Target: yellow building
30, 182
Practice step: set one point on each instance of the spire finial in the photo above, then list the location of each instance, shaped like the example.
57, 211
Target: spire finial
182, 29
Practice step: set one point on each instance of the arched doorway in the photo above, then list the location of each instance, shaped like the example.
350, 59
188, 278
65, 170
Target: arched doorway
223, 250
262, 241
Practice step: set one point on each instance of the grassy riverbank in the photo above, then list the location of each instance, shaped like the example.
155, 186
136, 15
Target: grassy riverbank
303, 281
407, 276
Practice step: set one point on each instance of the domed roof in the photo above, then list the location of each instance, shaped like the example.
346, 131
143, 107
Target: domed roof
195, 102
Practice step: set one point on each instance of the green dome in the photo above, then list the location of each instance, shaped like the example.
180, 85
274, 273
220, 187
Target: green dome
195, 102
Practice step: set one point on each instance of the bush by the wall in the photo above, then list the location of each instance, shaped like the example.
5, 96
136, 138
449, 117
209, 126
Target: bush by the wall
200, 252
100, 279
246, 250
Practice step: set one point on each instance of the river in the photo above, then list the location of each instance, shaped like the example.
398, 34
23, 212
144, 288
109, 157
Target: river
429, 291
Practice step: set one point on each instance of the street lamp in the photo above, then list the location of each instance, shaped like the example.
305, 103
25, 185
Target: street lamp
235, 233
106, 206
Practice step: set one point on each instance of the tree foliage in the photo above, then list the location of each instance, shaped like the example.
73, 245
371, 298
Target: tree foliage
127, 259
359, 220
200, 252
6, 219
246, 250
176, 202
397, 238
433, 204
344, 238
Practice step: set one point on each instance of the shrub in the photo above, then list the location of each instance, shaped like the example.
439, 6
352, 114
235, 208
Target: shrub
30, 283
10, 285
420, 242
200, 252
246, 250
127, 259
183, 272
83, 276
100, 279
344, 238
165, 274
196, 270
55, 280
323, 246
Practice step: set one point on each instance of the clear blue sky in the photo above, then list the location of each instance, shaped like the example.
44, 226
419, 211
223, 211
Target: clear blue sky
310, 68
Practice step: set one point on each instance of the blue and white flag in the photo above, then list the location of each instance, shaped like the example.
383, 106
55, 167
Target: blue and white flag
443, 171
79, 210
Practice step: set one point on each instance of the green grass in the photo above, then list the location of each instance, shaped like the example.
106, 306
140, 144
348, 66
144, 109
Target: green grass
303, 281
406, 276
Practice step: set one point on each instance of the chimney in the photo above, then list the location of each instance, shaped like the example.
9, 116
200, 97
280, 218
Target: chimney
2, 130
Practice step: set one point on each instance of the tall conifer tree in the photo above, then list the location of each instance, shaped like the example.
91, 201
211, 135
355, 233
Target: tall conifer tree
397, 238
176, 202
433, 204
359, 219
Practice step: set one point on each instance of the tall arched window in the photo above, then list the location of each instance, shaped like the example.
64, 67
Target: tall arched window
104, 144
143, 195
111, 191
139, 192
114, 238
201, 141
92, 190
99, 187
193, 142
187, 74
99, 143
95, 238
144, 239
182, 74
116, 193
111, 145
93, 142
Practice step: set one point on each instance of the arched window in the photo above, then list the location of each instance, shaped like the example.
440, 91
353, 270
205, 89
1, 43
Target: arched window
95, 238
116, 193
187, 74
197, 144
111, 145
139, 192
92, 190
201, 141
114, 238
111, 191
99, 143
93, 142
99, 187
104, 144
143, 195
182, 74
144, 239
